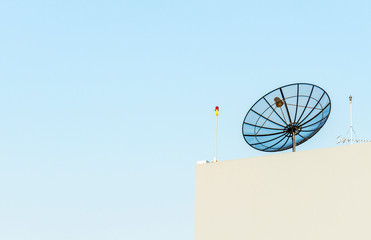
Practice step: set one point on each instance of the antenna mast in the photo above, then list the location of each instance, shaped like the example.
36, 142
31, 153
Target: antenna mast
351, 140
351, 120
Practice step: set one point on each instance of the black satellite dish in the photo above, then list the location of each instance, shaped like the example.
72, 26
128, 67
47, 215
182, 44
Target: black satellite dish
286, 117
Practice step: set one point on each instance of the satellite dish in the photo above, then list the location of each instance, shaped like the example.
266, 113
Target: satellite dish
286, 117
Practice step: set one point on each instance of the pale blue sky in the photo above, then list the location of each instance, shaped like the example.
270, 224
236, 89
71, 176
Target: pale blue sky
107, 105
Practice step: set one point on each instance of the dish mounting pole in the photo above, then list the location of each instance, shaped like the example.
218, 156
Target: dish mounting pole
293, 142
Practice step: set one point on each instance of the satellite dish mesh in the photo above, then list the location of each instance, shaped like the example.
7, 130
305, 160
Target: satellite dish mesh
286, 117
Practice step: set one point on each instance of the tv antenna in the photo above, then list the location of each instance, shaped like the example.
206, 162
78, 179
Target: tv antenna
351, 130
286, 117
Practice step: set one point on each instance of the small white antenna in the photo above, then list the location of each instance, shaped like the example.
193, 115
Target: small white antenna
351, 120
351, 140
216, 132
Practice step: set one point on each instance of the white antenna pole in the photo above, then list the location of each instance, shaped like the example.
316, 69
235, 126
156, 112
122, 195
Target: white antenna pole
216, 131
351, 120
343, 140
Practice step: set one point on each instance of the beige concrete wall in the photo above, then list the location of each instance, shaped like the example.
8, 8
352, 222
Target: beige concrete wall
322, 194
